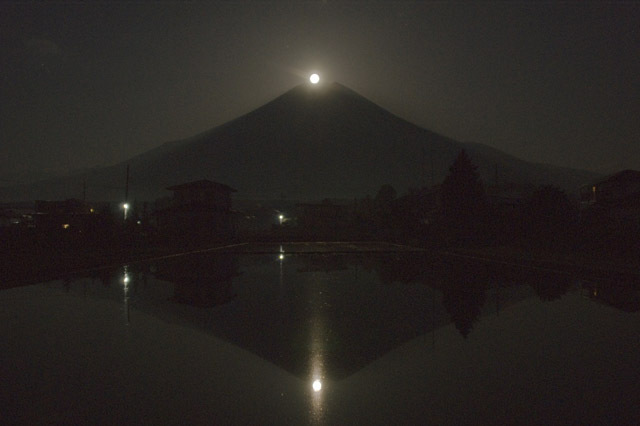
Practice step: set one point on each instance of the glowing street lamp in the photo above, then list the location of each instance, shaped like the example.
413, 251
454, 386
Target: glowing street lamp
125, 207
281, 218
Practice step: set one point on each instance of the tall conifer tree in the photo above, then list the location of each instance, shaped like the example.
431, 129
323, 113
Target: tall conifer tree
464, 202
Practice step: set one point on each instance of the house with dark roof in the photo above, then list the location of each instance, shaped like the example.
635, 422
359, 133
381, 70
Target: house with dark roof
71, 215
617, 195
619, 188
199, 210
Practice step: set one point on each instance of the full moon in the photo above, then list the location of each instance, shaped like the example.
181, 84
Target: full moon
314, 78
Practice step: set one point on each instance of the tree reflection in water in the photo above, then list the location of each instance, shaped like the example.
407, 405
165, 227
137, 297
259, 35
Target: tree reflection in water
464, 283
463, 295
206, 280
550, 287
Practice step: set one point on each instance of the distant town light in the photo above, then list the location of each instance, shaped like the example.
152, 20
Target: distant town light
66, 226
281, 256
281, 218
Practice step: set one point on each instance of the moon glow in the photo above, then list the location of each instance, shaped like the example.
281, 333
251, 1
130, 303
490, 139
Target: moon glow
314, 78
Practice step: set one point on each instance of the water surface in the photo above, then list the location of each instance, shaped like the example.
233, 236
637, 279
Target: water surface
386, 335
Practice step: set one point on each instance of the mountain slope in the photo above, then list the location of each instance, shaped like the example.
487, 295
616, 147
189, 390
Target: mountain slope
309, 143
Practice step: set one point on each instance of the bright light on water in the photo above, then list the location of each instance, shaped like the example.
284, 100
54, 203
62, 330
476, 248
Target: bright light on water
317, 385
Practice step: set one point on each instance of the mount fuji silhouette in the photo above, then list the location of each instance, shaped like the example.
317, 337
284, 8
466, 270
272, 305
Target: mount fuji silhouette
310, 143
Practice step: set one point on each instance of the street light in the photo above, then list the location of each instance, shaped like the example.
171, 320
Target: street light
281, 217
125, 207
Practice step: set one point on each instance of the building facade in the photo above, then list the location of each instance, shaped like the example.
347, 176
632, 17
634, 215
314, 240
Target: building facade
199, 210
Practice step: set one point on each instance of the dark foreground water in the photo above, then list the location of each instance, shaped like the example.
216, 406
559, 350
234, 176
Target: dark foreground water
269, 336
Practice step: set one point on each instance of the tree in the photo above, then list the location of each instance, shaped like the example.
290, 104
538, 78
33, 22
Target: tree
464, 202
550, 217
384, 208
386, 194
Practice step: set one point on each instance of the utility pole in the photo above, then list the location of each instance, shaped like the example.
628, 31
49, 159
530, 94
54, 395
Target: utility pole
126, 187
125, 206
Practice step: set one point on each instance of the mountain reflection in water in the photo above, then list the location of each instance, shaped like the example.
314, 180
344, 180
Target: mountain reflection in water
368, 338
345, 309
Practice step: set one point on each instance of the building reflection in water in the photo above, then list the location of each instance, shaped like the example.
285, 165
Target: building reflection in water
620, 294
201, 281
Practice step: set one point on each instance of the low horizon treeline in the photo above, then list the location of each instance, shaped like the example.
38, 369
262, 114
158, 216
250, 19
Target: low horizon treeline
459, 212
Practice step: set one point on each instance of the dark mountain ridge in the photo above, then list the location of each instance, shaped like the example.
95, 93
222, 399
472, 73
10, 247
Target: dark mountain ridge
310, 143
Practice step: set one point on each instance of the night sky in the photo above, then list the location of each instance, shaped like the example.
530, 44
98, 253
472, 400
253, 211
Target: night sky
84, 85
